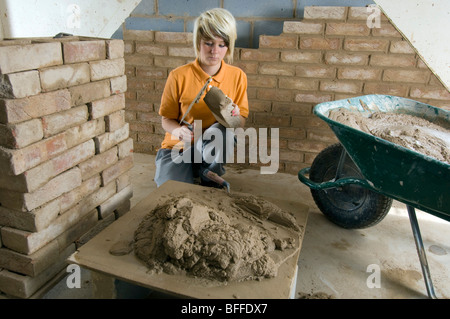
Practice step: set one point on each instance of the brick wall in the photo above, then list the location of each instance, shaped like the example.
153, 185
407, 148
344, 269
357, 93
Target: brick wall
329, 55
65, 153
253, 17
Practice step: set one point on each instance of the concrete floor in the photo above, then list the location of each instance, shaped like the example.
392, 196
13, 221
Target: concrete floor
379, 262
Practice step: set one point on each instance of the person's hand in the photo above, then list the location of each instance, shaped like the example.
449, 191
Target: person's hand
235, 111
184, 134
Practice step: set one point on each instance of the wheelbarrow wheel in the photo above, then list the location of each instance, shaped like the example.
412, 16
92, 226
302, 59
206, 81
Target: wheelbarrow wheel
350, 206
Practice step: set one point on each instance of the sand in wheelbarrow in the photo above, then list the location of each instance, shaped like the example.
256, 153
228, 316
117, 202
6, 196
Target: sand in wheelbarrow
409, 131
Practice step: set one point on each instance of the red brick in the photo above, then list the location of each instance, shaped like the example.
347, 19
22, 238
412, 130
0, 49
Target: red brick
291, 108
326, 136
151, 48
346, 58
114, 171
262, 81
151, 72
278, 42
18, 110
114, 49
114, 121
85, 93
63, 76
306, 145
325, 13
320, 43
379, 45
107, 140
294, 83
118, 84
359, 74
340, 86
301, 56
386, 30
392, 60
39, 175
436, 93
95, 165
358, 29
111, 104
20, 84
21, 134
303, 27
313, 97
59, 185
247, 66
125, 148
149, 117
259, 55
401, 47
137, 59
106, 69
84, 132
139, 35
291, 156
58, 122
182, 52
18, 58
276, 69
275, 94
412, 76
15, 162
292, 133
174, 37
272, 120
386, 88
260, 106
315, 71
82, 51
169, 62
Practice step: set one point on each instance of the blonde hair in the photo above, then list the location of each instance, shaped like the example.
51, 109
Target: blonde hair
213, 23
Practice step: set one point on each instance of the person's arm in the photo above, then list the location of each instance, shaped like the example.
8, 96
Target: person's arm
236, 112
181, 132
241, 99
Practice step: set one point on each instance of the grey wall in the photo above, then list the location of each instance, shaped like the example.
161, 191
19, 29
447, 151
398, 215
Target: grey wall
254, 17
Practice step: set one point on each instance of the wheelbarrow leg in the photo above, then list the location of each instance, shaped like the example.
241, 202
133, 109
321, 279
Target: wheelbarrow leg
421, 252
341, 162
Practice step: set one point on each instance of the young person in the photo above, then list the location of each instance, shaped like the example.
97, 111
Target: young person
214, 41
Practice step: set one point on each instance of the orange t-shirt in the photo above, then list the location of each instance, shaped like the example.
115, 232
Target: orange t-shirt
183, 85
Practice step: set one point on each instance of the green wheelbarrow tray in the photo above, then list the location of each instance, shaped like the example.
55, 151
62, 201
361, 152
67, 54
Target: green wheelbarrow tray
394, 171
390, 169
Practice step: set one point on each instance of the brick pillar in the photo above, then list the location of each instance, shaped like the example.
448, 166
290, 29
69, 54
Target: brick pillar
65, 153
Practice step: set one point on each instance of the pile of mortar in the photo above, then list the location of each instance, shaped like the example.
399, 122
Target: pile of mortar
235, 239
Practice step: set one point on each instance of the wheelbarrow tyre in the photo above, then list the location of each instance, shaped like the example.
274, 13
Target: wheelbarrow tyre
350, 206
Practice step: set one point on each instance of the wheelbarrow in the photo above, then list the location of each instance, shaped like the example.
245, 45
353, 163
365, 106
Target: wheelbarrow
354, 181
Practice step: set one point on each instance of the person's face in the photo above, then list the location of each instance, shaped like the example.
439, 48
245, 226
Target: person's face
212, 51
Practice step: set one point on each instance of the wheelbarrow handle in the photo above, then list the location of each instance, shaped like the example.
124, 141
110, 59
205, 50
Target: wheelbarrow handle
330, 184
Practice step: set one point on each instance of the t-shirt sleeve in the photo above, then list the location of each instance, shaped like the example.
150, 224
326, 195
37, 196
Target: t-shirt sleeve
170, 106
241, 98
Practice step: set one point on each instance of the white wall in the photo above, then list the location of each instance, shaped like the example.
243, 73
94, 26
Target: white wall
426, 24
44, 18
